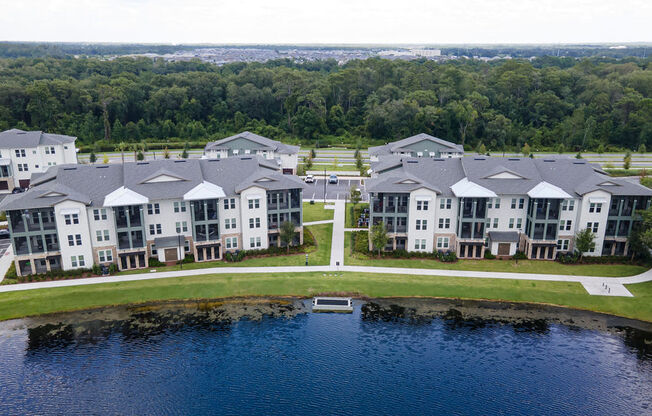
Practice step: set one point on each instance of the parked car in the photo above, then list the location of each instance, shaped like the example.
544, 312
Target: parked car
309, 179
4, 233
333, 179
17, 190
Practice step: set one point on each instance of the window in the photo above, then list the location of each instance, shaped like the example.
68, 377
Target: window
444, 223
562, 245
254, 203
513, 203
179, 207
420, 244
81, 261
232, 242
445, 203
182, 226
419, 154
71, 240
511, 223
154, 250
229, 203
251, 223
236, 151
490, 203
73, 261
257, 222
229, 223
78, 239
155, 229
422, 225
595, 207
186, 246
20, 153
571, 205
71, 219
495, 222
519, 223
565, 225
22, 167
99, 214
521, 203
442, 242
593, 226
254, 242
422, 205
49, 150
497, 204
153, 209
105, 255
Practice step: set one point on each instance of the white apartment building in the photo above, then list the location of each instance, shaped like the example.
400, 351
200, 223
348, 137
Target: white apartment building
75, 216
247, 143
23, 153
472, 204
421, 145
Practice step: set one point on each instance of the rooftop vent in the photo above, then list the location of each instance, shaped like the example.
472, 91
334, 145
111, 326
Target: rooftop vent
69, 168
548, 160
514, 158
101, 167
479, 158
179, 161
142, 163
245, 158
412, 161
21, 132
213, 160
438, 159
579, 163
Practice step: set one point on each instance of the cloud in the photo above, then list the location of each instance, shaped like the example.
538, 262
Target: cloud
333, 21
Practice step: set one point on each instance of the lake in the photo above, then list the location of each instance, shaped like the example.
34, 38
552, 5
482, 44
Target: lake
268, 357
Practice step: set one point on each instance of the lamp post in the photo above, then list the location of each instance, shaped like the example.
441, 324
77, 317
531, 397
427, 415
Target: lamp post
180, 252
324, 186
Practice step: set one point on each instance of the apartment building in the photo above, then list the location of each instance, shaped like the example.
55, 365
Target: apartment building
472, 204
247, 143
75, 216
421, 145
23, 153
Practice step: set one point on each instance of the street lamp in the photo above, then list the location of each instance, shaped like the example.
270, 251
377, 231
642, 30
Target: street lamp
324, 186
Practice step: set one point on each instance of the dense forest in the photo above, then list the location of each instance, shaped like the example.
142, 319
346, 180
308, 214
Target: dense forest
549, 103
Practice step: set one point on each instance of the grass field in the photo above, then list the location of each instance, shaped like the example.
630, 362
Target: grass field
316, 212
33, 302
520, 266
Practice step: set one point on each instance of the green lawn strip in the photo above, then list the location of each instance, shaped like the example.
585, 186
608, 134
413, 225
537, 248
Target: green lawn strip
316, 212
40, 301
319, 256
520, 266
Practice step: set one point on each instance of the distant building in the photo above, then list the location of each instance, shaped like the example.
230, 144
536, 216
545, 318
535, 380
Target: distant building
247, 143
421, 145
23, 153
473, 204
75, 216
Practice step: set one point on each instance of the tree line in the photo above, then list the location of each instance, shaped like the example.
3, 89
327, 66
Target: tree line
548, 103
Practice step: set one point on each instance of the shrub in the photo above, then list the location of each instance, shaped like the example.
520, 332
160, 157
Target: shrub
519, 255
97, 270
449, 257
361, 242
488, 255
113, 268
190, 258
11, 272
154, 262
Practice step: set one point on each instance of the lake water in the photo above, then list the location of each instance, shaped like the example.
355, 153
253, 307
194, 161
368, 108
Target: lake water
281, 359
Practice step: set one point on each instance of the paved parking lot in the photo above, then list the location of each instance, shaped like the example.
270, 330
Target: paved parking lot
4, 245
333, 191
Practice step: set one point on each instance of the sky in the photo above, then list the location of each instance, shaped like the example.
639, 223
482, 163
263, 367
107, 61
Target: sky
327, 21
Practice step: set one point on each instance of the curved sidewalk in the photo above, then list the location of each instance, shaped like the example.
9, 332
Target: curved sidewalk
595, 282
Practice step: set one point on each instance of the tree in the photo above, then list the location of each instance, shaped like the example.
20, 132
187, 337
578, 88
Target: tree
354, 196
286, 234
482, 149
379, 236
313, 154
92, 158
642, 148
184, 154
105, 159
140, 155
578, 155
627, 160
600, 149
166, 153
526, 150
121, 147
561, 148
584, 241
307, 162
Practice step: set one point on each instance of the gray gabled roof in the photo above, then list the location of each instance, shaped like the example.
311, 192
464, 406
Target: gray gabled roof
90, 184
264, 142
18, 139
402, 145
574, 177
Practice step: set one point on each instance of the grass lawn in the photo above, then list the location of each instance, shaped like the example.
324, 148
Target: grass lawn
349, 221
316, 212
319, 256
33, 302
522, 266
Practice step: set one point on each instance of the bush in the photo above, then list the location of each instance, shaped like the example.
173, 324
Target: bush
448, 257
11, 272
519, 255
488, 255
113, 268
190, 258
97, 270
361, 242
154, 262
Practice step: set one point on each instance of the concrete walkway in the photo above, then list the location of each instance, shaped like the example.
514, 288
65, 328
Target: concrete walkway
337, 245
318, 222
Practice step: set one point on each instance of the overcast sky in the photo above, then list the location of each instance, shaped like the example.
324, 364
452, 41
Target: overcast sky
327, 21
